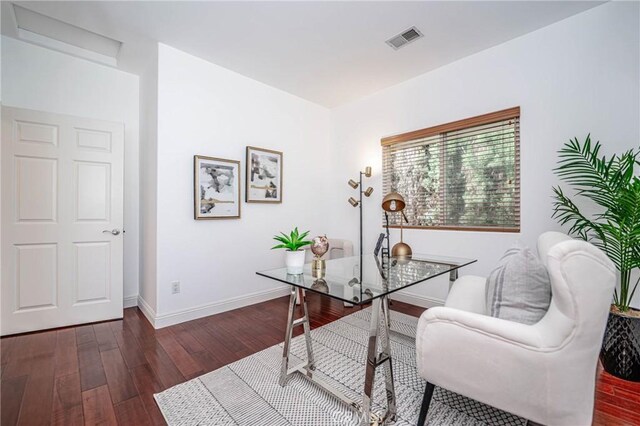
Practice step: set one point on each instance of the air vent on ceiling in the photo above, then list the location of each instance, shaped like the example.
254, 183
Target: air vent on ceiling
404, 38
64, 37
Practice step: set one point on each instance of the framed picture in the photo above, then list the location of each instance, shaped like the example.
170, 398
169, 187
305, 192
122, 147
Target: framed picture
264, 176
216, 188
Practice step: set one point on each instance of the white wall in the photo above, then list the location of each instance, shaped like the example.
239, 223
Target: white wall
41, 79
149, 184
207, 110
577, 76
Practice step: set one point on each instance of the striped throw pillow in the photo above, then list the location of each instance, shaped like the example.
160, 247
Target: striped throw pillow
518, 289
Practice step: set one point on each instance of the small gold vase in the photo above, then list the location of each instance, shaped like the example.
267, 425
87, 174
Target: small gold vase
318, 267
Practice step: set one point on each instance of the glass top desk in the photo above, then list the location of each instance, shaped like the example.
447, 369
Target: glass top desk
359, 281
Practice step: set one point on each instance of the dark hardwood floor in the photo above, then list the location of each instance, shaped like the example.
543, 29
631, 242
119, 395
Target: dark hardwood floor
107, 373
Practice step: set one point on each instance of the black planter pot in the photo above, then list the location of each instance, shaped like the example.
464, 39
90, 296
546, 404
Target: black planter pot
620, 354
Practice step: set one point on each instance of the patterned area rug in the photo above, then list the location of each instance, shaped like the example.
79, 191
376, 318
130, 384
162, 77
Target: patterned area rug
246, 392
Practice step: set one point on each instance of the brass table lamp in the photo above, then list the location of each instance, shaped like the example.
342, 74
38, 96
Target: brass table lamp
394, 202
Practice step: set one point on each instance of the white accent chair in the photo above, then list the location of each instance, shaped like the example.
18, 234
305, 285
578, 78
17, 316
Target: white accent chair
337, 249
544, 372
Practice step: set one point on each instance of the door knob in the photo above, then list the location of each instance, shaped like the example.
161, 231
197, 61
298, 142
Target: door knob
112, 231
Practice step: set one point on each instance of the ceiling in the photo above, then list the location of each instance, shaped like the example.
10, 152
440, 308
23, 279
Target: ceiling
327, 52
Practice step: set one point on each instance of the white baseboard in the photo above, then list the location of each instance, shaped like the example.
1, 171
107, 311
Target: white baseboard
147, 310
417, 299
131, 301
177, 317
171, 318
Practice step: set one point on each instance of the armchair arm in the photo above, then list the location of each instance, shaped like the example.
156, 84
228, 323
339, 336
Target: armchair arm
475, 354
468, 294
473, 323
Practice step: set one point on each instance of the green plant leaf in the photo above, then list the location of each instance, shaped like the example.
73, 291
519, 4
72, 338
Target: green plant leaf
615, 188
281, 239
294, 241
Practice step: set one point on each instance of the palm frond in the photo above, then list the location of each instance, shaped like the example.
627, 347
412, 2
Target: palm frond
612, 184
591, 176
566, 212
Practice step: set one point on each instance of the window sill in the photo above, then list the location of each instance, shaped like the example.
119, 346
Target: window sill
459, 228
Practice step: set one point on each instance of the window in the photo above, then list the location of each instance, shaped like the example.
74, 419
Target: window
463, 175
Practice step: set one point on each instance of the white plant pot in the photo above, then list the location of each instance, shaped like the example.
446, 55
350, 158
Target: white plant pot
295, 262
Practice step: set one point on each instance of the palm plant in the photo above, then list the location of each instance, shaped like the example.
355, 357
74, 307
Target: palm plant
292, 242
615, 189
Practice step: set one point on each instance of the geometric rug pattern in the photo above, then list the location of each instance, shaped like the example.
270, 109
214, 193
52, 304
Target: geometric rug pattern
247, 392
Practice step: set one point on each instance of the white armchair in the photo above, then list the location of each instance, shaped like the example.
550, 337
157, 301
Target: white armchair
337, 250
543, 372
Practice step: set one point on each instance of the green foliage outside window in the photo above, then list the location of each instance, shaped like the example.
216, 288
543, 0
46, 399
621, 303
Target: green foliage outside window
459, 179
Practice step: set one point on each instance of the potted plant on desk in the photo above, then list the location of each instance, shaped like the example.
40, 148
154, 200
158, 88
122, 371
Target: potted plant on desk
614, 187
293, 243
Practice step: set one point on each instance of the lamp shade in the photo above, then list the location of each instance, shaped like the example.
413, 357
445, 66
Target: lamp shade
393, 202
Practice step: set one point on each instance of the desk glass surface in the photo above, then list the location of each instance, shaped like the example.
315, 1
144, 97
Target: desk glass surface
358, 280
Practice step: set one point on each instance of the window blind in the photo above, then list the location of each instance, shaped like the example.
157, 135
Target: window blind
463, 175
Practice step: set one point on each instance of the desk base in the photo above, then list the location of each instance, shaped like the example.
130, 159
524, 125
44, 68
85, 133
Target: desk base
379, 325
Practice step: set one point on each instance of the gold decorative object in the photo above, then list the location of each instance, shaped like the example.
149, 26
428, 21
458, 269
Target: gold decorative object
320, 285
318, 268
367, 171
319, 247
368, 192
394, 202
353, 202
353, 183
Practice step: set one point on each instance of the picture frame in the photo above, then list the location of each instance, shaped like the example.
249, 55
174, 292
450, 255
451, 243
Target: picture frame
264, 176
216, 184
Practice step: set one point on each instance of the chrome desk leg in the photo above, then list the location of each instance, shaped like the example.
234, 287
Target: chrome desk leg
453, 276
370, 367
291, 324
385, 312
388, 368
375, 359
287, 337
307, 331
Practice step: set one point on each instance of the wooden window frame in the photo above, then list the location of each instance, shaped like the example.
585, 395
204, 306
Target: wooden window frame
479, 120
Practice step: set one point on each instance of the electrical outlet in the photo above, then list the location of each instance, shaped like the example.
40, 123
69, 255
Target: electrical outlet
175, 287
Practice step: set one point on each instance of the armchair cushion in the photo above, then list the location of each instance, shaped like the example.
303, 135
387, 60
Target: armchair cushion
519, 289
468, 294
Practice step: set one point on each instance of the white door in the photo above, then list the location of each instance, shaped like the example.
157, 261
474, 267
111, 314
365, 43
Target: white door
62, 196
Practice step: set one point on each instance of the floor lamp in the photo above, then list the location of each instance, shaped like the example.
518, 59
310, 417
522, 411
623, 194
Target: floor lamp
358, 203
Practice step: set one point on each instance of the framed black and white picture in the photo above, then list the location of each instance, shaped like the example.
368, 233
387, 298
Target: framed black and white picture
216, 188
264, 176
